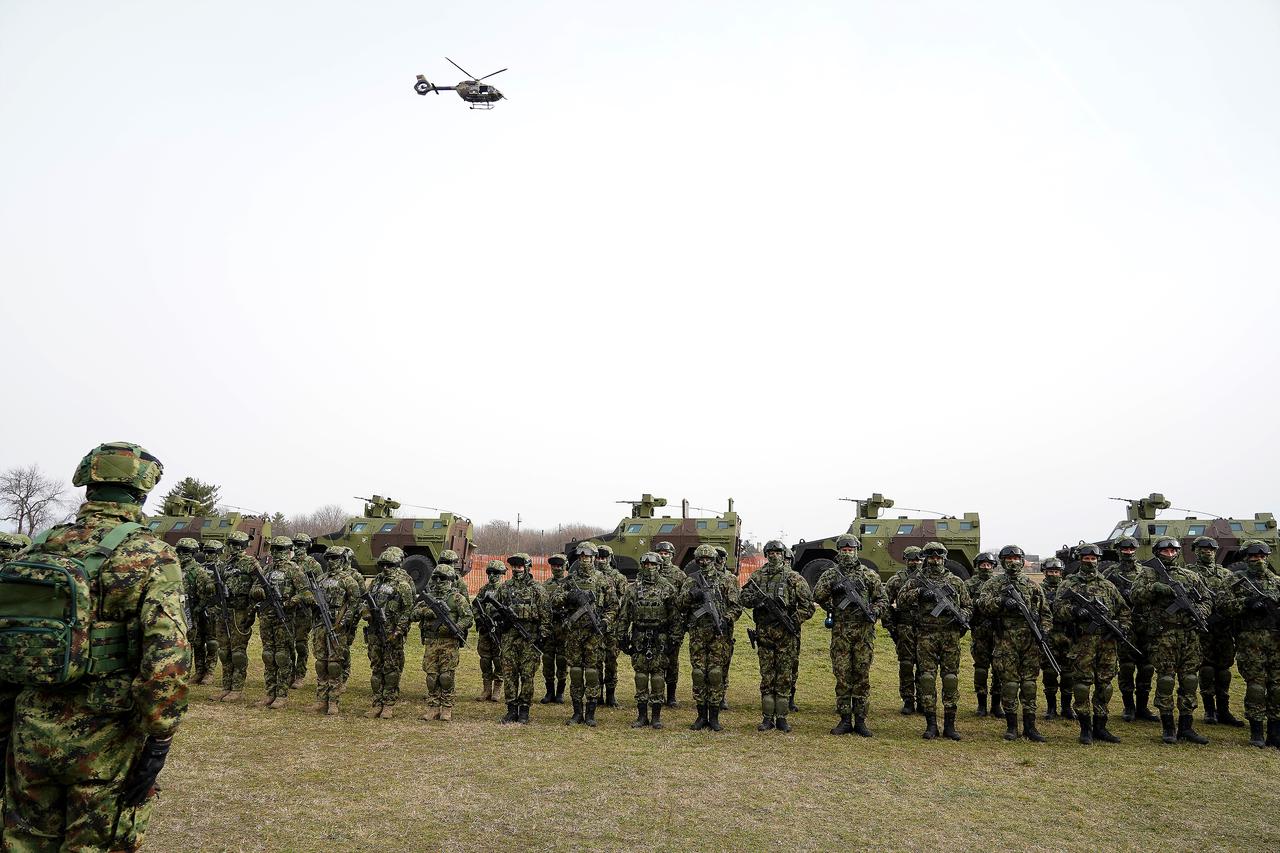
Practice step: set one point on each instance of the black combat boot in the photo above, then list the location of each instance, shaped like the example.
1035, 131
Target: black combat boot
559, 700
1256, 738
1100, 731
1273, 733
577, 713
1067, 712
513, 712
1051, 705
550, 681
860, 725
930, 726
1210, 709
1126, 696
656, 710
1166, 722
1225, 717
845, 726
1086, 729
949, 725
982, 704
611, 696
700, 723
671, 695
713, 718
590, 718
1011, 722
766, 724
781, 724
523, 713
1187, 733
642, 715
791, 701
1029, 730
724, 706
1141, 712
997, 704
908, 706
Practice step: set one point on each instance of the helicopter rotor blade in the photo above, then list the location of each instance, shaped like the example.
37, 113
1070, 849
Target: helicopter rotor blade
487, 76
470, 76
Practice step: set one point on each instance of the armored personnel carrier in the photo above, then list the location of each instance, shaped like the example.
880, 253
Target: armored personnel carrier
204, 528
883, 540
1141, 522
641, 530
421, 539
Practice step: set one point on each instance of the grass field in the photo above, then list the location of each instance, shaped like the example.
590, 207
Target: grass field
243, 778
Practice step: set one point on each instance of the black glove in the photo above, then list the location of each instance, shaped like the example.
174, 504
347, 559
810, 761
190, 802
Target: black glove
579, 597
929, 595
1257, 604
697, 595
1009, 603
1081, 613
145, 769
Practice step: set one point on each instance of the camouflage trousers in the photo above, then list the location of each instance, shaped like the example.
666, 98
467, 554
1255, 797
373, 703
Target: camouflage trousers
904, 646
1175, 655
938, 653
1060, 645
673, 659
554, 663
519, 666
303, 621
777, 651
609, 667
1258, 656
386, 665
488, 651
63, 780
204, 645
1136, 671
709, 653
440, 657
1016, 657
233, 648
277, 655
852, 645
1218, 649
350, 634
584, 650
983, 641
329, 663
1093, 662
651, 677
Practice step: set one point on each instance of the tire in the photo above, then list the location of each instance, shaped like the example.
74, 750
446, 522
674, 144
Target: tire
957, 569
813, 570
419, 568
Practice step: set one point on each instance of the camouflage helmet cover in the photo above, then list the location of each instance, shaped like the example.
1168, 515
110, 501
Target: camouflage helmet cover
121, 463
585, 549
1055, 564
335, 552
650, 557
934, 549
212, 546
604, 551
448, 555
495, 566
774, 545
846, 540
301, 539
1205, 542
1011, 551
557, 559
985, 557
1126, 542
704, 551
911, 552
1255, 548
186, 543
1166, 542
444, 574
520, 559
281, 543
392, 556
237, 537
721, 552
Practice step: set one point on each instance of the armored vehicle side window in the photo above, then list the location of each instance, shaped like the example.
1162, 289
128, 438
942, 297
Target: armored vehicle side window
870, 528
966, 525
179, 525
1260, 526
155, 525
942, 525
634, 528
208, 522
1159, 529
1195, 530
666, 527
905, 528
388, 527
359, 527
226, 522
723, 525
1237, 527
417, 525
436, 525
702, 524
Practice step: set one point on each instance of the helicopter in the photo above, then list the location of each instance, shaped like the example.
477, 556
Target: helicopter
479, 96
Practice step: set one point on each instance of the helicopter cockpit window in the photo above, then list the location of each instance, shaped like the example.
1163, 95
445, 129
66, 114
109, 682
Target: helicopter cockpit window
634, 528
905, 528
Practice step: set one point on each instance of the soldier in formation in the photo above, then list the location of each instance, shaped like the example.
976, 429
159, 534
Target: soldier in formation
280, 591
207, 612
339, 595
855, 598
194, 583
1017, 609
387, 605
1059, 645
442, 640
709, 607
780, 601
526, 617
450, 558
938, 605
675, 576
303, 617
1252, 598
235, 614
900, 622
589, 605
609, 670
722, 563
343, 563
1218, 644
983, 638
11, 544
1136, 672
555, 667
487, 646
646, 616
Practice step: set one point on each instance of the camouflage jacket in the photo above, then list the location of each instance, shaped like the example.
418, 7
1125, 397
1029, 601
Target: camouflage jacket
829, 594
892, 589
529, 601
239, 573
309, 564
1217, 578
991, 601
726, 595
616, 579
287, 580
779, 582
193, 584
141, 585
393, 592
459, 611
973, 585
553, 587
1254, 612
912, 598
342, 597
647, 615
1147, 593
1095, 586
602, 598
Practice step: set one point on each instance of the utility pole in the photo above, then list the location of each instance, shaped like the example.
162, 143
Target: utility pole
517, 531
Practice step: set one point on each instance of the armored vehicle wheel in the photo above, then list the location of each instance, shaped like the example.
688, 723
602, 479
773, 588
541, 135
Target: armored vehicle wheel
957, 569
813, 570
419, 568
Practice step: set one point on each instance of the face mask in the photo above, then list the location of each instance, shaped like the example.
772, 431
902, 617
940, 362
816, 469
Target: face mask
847, 559
775, 560
648, 571
1012, 566
1205, 557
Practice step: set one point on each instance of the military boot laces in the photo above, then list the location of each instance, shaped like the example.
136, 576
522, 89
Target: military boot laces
949, 725
1256, 738
1086, 729
1225, 717
930, 726
1210, 709
642, 715
1100, 730
1187, 732
845, 726
700, 723
655, 711
1029, 730
1166, 723
713, 718
1011, 725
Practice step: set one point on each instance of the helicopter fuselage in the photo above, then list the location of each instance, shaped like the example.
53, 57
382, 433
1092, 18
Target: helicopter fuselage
474, 92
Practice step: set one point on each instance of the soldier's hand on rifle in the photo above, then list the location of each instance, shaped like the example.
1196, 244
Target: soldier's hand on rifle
258, 594
929, 595
1010, 603
697, 595
1161, 588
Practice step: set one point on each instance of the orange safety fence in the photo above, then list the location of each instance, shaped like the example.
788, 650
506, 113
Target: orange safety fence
476, 578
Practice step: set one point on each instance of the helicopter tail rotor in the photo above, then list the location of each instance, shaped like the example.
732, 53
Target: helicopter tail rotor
423, 86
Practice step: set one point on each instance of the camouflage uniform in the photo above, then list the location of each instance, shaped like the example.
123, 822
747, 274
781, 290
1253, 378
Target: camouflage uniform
11, 544
775, 645
193, 586
1219, 644
487, 646
392, 591
450, 558
900, 623
238, 573
528, 601
722, 562
937, 640
82, 757
277, 638
205, 617
1060, 644
303, 617
555, 666
439, 644
1016, 654
675, 576
585, 592
1253, 598
853, 636
645, 617
342, 598
708, 647
982, 638
609, 672
1136, 671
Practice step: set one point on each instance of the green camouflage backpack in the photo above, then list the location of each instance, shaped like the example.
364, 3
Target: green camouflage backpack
50, 633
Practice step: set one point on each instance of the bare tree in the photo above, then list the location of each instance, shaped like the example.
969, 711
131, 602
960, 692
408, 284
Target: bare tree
499, 537
31, 500
326, 519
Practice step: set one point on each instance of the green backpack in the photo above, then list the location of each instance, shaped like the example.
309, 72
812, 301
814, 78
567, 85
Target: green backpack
50, 633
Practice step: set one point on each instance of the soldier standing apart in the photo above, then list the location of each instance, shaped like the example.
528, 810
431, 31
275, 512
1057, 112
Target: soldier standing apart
1136, 671
982, 637
645, 617
555, 667
1094, 649
235, 629
84, 754
288, 590
1254, 599
1175, 645
528, 605
440, 644
902, 629
1218, 645
938, 605
675, 576
342, 599
589, 602
780, 601
1016, 654
616, 579
193, 585
843, 590
303, 617
387, 605
1060, 643
486, 620
708, 607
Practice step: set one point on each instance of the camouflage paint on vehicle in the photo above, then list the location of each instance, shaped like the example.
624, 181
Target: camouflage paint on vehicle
1141, 523
421, 539
884, 539
207, 528
636, 534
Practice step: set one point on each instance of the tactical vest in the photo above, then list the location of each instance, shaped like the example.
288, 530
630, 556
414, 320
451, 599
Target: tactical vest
334, 593
650, 605
522, 598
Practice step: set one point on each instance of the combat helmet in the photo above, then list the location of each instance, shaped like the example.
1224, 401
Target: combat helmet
238, 539
1166, 542
1205, 542
585, 549
187, 545
772, 545
704, 551
846, 540
119, 463
392, 556
281, 543
495, 567
448, 555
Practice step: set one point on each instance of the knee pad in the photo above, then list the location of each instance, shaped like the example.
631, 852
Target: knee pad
658, 684
1188, 684
767, 706
1080, 692
391, 680
433, 682
699, 679
1104, 692
1165, 685
284, 660
980, 676
239, 659
1222, 680
1028, 689
1146, 673
268, 659
950, 684
906, 669
593, 676
927, 683
332, 670
1009, 692
642, 682
1206, 676
211, 648
575, 676
1255, 693
715, 676
446, 681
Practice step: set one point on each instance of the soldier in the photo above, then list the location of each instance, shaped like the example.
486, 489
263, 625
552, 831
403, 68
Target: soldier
708, 606
616, 579
649, 608
487, 647
208, 614
387, 605
303, 617
790, 559
342, 599
722, 563
590, 605
675, 576
555, 667
1016, 654
780, 601
900, 622
982, 637
855, 598
1253, 598
1175, 645
449, 557
1093, 649
439, 642
346, 565
937, 636
83, 755
288, 591
1060, 643
1136, 671
11, 544
1218, 645
192, 584
236, 626
529, 607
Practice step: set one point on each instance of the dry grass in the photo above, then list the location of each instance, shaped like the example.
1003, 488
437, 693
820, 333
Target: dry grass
242, 778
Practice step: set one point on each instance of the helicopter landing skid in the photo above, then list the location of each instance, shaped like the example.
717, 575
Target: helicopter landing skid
483, 106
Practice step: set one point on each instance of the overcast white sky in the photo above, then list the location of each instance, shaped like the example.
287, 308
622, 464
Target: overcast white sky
1008, 257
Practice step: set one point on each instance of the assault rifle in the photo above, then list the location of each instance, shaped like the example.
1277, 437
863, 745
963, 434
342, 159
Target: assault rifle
326, 619
1124, 584
484, 622
509, 618
1183, 599
851, 592
441, 611
1097, 614
588, 609
377, 616
943, 597
273, 596
774, 608
1268, 601
709, 605
223, 596
1012, 593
